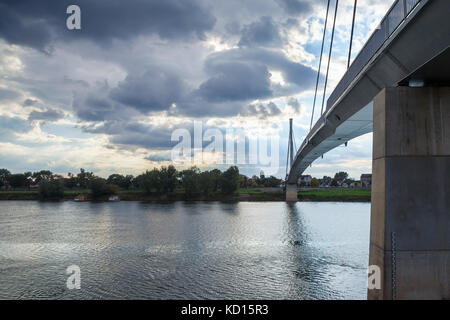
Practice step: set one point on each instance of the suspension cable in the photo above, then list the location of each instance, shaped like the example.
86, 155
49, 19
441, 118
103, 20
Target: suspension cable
295, 144
351, 36
329, 57
320, 64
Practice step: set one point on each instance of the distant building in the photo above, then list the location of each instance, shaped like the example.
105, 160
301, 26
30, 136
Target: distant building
304, 180
366, 180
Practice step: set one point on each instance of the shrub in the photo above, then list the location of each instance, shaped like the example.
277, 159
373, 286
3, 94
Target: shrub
207, 182
230, 180
150, 181
190, 179
51, 189
99, 187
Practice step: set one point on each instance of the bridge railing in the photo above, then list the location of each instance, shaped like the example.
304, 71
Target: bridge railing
395, 16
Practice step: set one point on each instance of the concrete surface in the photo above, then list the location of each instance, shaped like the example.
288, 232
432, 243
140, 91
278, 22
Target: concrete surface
291, 192
411, 193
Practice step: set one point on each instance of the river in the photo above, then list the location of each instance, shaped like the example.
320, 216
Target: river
183, 250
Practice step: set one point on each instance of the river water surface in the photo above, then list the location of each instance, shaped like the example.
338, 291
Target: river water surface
199, 250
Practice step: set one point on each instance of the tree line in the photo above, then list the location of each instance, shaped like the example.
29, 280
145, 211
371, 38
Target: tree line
164, 180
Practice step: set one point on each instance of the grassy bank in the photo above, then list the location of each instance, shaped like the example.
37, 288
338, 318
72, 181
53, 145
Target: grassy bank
344, 195
139, 195
261, 194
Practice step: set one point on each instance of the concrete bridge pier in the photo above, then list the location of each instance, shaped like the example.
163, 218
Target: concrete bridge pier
291, 193
410, 217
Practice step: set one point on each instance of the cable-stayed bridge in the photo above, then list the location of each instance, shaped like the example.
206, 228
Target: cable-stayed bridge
397, 87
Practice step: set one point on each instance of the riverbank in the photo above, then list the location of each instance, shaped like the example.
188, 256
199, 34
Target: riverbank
257, 194
339, 195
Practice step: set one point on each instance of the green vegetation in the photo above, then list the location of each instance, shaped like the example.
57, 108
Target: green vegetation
250, 194
335, 195
100, 188
51, 189
229, 181
190, 180
167, 183
250, 191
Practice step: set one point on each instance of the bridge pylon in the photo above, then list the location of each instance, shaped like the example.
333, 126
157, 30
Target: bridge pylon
291, 189
410, 217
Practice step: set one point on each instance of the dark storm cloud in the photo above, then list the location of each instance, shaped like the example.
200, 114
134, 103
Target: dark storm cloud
6, 94
92, 108
236, 80
37, 23
155, 90
242, 74
261, 33
17, 27
135, 134
47, 115
296, 7
96, 105
236, 77
152, 138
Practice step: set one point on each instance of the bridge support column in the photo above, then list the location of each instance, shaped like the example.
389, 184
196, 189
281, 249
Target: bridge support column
291, 192
410, 218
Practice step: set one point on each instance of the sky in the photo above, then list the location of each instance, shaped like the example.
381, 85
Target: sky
108, 97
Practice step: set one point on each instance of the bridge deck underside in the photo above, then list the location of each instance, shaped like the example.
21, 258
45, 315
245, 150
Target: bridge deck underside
357, 125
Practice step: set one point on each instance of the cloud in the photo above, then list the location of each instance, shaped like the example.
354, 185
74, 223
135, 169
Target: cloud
261, 33
9, 126
236, 80
146, 136
18, 27
155, 90
261, 111
132, 134
93, 108
159, 157
29, 102
38, 24
7, 95
47, 115
96, 105
295, 105
247, 67
295, 7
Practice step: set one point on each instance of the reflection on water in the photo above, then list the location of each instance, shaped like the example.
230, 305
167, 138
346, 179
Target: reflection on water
197, 250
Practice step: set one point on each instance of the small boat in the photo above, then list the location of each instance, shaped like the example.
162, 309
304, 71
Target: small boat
114, 198
82, 198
